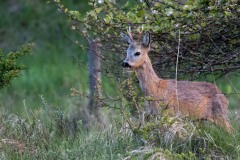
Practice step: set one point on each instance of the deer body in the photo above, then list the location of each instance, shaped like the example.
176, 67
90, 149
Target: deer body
200, 100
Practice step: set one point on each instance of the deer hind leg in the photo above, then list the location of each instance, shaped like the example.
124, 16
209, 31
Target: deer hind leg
223, 122
219, 116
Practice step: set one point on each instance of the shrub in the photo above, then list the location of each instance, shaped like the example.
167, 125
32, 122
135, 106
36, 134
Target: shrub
207, 30
9, 68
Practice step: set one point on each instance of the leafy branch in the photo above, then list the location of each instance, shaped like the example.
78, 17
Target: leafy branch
9, 68
209, 34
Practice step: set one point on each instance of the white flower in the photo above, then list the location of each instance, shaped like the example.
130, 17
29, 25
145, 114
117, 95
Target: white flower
185, 6
169, 11
100, 1
154, 11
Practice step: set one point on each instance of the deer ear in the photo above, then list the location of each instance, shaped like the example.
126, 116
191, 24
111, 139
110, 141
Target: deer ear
146, 39
126, 38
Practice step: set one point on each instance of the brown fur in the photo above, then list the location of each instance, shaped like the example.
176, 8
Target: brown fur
197, 99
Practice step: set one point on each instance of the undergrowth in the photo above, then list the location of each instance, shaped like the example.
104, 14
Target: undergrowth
45, 134
40, 136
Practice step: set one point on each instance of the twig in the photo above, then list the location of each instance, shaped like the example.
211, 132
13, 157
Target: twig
176, 77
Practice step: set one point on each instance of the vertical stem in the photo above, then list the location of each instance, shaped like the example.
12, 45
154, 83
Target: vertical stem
176, 76
94, 69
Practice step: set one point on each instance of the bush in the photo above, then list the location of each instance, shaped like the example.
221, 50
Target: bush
9, 68
207, 30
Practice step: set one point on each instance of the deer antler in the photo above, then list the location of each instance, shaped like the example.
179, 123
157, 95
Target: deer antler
140, 32
129, 33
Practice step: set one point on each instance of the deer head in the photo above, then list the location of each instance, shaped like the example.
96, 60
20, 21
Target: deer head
137, 51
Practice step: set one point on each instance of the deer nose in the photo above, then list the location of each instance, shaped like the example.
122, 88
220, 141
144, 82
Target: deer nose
125, 65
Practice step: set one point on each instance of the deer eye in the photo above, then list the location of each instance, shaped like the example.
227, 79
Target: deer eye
137, 54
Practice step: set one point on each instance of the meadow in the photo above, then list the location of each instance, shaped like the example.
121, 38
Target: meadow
36, 107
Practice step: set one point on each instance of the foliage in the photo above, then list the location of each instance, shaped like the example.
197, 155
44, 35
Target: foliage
9, 68
207, 30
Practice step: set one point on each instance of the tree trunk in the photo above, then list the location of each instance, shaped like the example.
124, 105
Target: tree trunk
94, 69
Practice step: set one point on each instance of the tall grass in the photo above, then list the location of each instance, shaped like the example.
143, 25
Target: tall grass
40, 137
45, 134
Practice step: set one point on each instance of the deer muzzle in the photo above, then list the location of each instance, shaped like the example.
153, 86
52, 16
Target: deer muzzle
126, 65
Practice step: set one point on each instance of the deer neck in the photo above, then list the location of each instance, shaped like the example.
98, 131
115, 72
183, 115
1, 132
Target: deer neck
147, 77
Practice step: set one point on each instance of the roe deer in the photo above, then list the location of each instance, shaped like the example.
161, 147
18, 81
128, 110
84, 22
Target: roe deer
201, 100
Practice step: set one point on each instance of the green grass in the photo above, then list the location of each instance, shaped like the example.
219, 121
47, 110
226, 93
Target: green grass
52, 68
51, 77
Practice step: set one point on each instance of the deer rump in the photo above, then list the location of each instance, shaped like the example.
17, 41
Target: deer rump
199, 99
